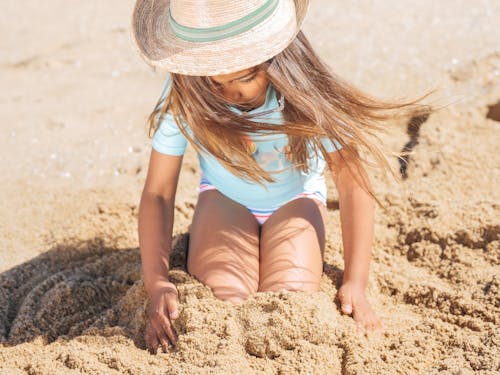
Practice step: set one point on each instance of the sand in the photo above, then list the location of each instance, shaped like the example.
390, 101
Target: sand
74, 156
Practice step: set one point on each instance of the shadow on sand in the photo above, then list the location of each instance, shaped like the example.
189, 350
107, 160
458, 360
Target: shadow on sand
75, 289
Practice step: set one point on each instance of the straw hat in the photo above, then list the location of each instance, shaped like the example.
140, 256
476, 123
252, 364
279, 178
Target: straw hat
214, 37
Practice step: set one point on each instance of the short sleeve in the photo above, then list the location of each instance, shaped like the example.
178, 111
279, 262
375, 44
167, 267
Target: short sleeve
168, 139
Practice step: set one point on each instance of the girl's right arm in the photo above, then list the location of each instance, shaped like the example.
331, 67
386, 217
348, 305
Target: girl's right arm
156, 214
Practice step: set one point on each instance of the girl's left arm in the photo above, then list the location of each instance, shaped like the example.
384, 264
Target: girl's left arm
357, 209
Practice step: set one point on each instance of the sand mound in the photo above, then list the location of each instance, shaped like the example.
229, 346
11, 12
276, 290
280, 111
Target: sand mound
62, 292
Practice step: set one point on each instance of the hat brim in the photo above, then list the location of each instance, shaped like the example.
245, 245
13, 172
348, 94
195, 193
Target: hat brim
160, 47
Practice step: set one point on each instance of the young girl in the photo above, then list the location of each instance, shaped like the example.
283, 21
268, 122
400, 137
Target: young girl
265, 116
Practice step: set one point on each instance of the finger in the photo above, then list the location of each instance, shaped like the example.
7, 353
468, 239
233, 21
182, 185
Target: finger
359, 316
167, 328
149, 338
370, 326
372, 322
346, 308
368, 322
163, 340
172, 308
345, 301
153, 347
360, 328
160, 333
163, 325
375, 324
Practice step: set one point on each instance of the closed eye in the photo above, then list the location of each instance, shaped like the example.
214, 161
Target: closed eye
248, 79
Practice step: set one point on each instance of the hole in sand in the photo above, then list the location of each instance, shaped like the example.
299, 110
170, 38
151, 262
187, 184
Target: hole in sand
494, 111
413, 130
332, 204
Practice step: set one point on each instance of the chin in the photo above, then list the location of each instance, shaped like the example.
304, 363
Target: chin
253, 104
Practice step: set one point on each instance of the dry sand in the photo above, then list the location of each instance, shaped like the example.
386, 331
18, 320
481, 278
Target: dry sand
74, 155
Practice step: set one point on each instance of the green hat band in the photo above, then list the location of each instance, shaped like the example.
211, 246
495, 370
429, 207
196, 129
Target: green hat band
236, 27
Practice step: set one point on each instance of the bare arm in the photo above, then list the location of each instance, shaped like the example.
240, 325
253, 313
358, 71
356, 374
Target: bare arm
156, 216
357, 218
357, 211
155, 238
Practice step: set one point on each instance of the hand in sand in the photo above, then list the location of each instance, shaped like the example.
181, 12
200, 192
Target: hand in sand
353, 301
163, 308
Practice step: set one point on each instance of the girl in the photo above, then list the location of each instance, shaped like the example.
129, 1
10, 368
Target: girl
265, 116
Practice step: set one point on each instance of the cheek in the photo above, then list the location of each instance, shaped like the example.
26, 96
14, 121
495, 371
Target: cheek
261, 81
257, 88
252, 92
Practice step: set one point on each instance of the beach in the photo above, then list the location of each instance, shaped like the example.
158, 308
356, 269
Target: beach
73, 110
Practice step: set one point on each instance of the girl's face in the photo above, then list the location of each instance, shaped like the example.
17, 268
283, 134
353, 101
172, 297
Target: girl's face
246, 88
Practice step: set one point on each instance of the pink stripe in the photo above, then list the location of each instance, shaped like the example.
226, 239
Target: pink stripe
261, 215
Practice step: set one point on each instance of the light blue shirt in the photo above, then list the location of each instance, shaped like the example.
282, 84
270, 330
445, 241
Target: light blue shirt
270, 155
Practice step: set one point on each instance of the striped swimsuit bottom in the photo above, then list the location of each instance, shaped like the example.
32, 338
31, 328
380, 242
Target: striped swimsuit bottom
262, 214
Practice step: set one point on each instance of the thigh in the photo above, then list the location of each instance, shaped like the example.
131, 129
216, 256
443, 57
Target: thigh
291, 247
224, 247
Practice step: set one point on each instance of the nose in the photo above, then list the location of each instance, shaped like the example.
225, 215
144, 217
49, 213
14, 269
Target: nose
232, 95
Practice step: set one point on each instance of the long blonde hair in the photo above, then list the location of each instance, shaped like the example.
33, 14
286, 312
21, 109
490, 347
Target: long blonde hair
317, 104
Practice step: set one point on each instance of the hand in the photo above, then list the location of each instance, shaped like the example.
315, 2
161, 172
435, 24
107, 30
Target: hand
353, 301
163, 308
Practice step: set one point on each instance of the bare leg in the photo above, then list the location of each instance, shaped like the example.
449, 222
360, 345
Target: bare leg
224, 247
291, 247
